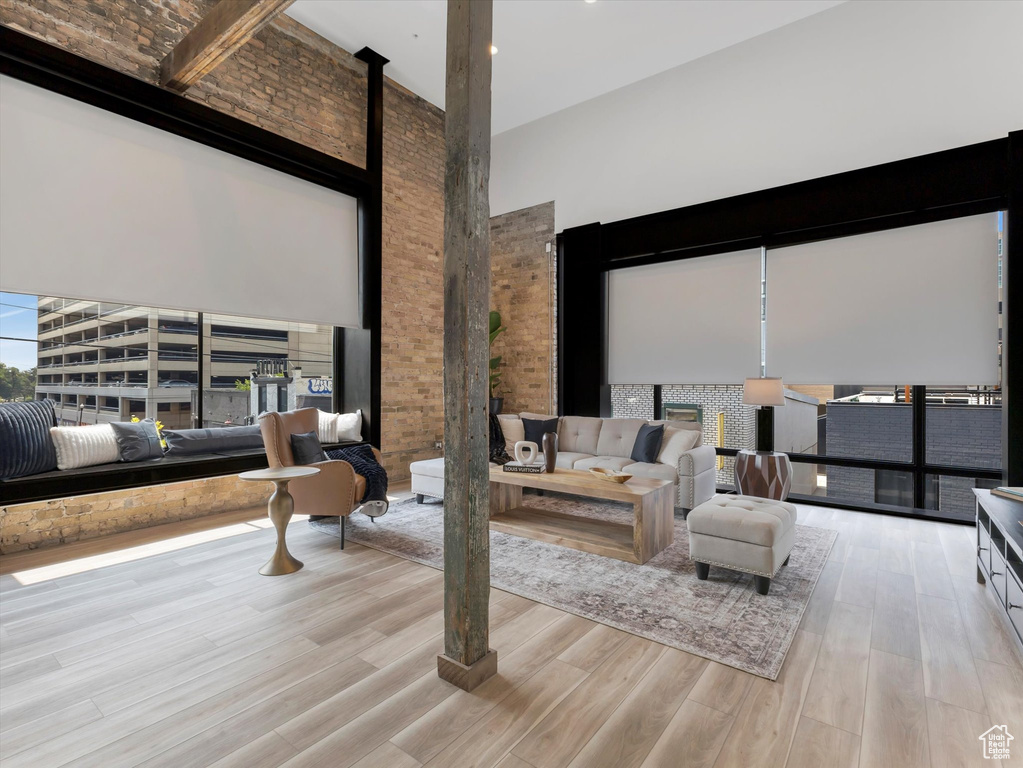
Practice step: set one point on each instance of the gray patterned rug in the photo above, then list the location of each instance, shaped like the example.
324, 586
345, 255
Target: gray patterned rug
722, 619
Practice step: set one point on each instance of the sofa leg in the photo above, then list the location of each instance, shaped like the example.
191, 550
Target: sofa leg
763, 584
342, 527
702, 571
419, 498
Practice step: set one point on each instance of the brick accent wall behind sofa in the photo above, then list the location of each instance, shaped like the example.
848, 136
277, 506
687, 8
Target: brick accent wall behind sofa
523, 291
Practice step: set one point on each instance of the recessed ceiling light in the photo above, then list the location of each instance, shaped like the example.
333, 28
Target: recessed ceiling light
590, 2
493, 49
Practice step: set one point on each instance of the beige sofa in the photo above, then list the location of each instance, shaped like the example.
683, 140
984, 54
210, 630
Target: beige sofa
585, 442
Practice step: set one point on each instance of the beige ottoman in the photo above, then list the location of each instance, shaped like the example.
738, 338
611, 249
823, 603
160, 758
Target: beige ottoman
742, 533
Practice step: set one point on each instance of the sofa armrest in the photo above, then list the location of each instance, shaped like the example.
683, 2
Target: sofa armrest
699, 459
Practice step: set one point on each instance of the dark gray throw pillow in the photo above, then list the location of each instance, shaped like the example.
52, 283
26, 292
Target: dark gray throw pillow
648, 443
307, 448
137, 440
189, 442
25, 444
535, 429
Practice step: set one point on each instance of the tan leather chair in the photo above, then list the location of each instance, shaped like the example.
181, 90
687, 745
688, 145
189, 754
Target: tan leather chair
335, 492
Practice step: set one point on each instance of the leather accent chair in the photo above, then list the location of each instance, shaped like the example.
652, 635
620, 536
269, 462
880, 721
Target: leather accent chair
336, 491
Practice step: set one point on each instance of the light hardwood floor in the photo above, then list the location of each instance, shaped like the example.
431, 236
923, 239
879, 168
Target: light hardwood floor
165, 647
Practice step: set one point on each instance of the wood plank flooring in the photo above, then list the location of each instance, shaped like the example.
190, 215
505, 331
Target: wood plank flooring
165, 647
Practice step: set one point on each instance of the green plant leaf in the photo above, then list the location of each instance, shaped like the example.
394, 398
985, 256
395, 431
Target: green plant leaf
495, 361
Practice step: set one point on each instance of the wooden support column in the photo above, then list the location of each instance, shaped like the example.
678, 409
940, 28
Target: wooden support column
226, 27
467, 660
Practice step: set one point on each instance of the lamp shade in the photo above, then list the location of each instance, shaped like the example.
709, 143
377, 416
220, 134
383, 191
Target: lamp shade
766, 391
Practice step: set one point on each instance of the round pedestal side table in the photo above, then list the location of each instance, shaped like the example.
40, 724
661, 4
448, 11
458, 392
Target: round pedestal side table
280, 508
766, 474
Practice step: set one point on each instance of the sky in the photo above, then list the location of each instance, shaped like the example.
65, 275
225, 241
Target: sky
18, 319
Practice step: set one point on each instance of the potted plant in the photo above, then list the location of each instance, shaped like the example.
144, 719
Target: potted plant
496, 329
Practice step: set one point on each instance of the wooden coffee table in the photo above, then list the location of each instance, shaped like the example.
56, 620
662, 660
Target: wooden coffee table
652, 530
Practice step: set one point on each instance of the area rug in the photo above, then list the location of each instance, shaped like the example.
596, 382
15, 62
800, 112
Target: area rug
722, 619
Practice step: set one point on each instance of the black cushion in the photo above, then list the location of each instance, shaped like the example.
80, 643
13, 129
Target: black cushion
307, 449
535, 429
185, 442
137, 440
25, 444
648, 443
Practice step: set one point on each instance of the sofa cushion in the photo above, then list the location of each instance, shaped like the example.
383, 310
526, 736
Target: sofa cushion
137, 440
676, 442
743, 518
648, 443
84, 446
617, 436
567, 459
513, 430
652, 469
603, 462
535, 429
187, 442
579, 433
25, 444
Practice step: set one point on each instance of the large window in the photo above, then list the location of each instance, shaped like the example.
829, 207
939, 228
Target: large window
101, 362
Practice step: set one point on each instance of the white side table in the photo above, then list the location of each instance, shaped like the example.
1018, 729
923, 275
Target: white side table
280, 508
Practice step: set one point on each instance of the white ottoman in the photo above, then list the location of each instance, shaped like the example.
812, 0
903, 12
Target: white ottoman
428, 478
742, 533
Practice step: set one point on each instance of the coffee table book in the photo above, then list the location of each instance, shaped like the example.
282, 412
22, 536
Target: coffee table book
526, 469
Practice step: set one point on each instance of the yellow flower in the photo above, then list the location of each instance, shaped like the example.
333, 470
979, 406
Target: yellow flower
134, 419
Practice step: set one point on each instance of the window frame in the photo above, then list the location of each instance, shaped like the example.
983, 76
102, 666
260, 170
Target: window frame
47, 66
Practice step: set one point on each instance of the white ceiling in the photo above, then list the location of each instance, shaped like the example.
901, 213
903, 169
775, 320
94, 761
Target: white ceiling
551, 53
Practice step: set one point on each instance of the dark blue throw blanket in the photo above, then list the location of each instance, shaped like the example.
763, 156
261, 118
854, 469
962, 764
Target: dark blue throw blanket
364, 463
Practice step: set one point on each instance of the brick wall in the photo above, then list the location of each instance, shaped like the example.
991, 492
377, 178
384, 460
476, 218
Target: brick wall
524, 293
28, 526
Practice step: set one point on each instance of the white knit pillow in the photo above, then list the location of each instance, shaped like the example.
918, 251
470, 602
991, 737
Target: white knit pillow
349, 426
326, 429
675, 443
514, 430
84, 446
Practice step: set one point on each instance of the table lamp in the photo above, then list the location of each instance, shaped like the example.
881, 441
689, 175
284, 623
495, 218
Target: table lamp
765, 393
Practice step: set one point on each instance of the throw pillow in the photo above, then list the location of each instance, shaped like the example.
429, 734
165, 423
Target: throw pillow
676, 442
513, 432
648, 443
84, 446
326, 429
192, 442
349, 427
25, 444
307, 448
535, 429
137, 440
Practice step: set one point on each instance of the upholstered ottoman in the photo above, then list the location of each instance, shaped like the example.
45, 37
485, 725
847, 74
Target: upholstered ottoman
743, 533
428, 478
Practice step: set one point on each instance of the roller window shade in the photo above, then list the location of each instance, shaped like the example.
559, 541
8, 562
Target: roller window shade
695, 321
915, 305
97, 206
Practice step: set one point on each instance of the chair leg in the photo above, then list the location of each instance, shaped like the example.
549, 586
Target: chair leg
763, 584
702, 571
342, 526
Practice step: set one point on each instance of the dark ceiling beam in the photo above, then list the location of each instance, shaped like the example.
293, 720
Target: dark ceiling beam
228, 25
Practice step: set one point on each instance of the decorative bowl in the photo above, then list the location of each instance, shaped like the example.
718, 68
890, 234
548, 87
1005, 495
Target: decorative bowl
611, 475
